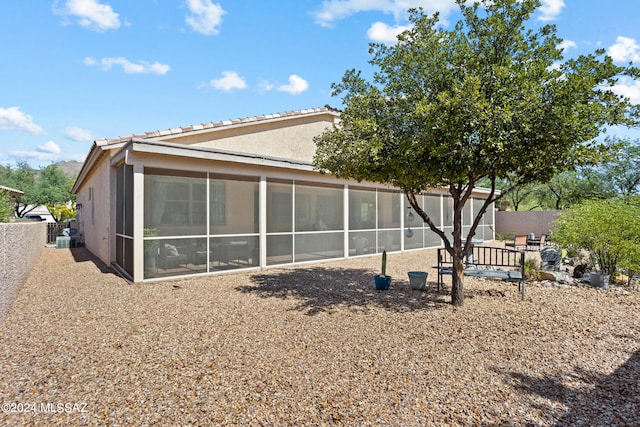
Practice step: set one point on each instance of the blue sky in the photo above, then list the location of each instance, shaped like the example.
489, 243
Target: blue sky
78, 70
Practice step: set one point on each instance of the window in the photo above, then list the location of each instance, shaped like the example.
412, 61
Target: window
175, 204
318, 208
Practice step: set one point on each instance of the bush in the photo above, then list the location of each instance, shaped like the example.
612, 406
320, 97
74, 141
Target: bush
532, 269
608, 229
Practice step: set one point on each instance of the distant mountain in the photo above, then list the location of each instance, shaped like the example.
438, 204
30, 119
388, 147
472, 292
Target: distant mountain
70, 168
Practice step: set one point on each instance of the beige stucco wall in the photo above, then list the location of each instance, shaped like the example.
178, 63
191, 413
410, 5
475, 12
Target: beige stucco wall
21, 244
95, 214
290, 139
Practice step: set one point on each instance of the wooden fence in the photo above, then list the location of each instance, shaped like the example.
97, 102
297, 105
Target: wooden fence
55, 229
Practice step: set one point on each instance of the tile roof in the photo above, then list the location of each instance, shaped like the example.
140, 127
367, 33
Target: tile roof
212, 125
11, 191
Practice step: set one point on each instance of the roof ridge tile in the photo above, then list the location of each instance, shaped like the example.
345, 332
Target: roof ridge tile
216, 124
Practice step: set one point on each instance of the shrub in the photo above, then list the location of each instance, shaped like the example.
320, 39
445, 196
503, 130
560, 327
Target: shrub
531, 269
608, 229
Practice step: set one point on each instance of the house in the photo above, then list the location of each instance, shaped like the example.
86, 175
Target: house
239, 194
11, 192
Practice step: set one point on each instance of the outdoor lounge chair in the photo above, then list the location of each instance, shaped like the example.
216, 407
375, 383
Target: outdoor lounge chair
543, 241
171, 256
520, 242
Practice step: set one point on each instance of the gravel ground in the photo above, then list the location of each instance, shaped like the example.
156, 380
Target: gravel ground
313, 345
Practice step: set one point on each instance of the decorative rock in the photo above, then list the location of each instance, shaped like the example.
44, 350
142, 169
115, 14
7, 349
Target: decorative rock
579, 270
599, 280
554, 276
547, 275
551, 258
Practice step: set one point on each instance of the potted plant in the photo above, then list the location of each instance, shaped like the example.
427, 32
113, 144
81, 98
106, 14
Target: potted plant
383, 281
418, 279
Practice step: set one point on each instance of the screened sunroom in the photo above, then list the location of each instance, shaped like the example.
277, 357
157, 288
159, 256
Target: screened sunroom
184, 204
206, 222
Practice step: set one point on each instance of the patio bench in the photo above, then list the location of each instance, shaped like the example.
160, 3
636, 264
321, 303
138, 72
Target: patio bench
487, 262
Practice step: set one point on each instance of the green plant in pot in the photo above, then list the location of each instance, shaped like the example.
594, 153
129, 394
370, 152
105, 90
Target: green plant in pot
383, 281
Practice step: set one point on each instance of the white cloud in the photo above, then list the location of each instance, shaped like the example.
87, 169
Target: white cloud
205, 17
33, 155
296, 85
381, 32
13, 118
551, 9
625, 49
75, 133
265, 86
229, 81
38, 158
92, 14
49, 152
334, 10
628, 88
567, 44
128, 67
49, 147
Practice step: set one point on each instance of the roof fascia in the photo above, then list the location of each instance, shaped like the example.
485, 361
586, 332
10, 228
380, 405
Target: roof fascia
95, 154
11, 191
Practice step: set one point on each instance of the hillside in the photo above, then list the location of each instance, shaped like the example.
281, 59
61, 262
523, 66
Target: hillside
70, 168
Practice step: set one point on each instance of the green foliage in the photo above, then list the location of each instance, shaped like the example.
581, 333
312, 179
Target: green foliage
62, 212
506, 236
621, 171
531, 269
48, 186
487, 100
608, 229
54, 186
6, 207
151, 246
22, 178
617, 175
571, 187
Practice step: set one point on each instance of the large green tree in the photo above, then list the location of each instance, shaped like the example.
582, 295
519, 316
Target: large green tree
47, 186
488, 99
571, 187
622, 170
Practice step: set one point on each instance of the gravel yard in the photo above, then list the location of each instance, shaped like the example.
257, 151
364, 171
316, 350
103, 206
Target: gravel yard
313, 345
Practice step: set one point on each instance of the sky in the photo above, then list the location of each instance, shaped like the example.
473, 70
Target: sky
74, 71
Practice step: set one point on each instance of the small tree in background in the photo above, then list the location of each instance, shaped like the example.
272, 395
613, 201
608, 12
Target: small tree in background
47, 186
61, 212
608, 229
621, 171
23, 178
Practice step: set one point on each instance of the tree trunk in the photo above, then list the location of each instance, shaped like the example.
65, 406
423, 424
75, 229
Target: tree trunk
457, 282
457, 274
